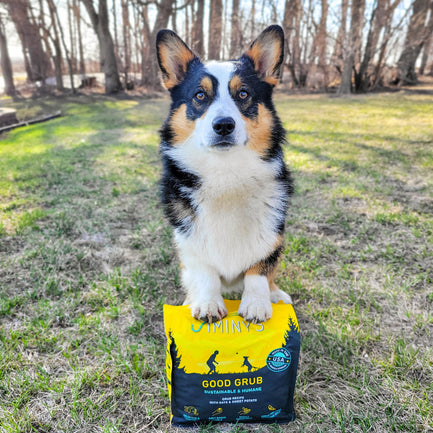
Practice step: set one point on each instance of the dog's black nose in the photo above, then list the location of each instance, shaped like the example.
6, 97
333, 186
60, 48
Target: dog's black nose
223, 125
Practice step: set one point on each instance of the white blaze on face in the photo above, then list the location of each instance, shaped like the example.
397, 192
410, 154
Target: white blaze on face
222, 106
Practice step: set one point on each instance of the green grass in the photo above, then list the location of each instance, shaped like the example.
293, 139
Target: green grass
87, 263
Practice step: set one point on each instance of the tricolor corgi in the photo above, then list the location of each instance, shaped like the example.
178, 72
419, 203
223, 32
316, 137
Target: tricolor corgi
225, 187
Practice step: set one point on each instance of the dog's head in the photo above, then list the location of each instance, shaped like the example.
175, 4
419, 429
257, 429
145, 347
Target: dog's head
222, 105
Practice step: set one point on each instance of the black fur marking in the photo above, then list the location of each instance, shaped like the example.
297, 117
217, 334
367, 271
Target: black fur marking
259, 91
268, 265
177, 187
284, 178
184, 92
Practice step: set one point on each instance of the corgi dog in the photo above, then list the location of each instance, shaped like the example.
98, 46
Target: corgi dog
225, 186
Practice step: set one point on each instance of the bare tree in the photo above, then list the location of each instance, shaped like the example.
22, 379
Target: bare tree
236, 33
197, 42
318, 48
6, 65
126, 39
72, 35
108, 61
38, 66
428, 44
150, 70
292, 28
416, 36
77, 14
351, 49
426, 54
215, 29
337, 55
65, 47
54, 36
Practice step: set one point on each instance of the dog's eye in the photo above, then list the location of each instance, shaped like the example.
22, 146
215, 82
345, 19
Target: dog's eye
200, 96
243, 94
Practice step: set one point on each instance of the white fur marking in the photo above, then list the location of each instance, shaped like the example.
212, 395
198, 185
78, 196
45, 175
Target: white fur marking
222, 106
256, 304
204, 292
278, 295
237, 209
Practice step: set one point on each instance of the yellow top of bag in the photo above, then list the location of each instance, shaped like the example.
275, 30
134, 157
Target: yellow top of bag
234, 331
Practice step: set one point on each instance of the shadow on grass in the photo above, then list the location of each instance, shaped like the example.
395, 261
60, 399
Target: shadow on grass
358, 164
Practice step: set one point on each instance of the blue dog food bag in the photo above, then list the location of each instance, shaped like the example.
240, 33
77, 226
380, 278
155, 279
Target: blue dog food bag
231, 370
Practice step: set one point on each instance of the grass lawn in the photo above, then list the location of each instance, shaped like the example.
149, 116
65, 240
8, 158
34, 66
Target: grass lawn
87, 262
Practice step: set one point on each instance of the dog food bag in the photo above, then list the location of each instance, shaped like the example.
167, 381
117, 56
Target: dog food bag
231, 370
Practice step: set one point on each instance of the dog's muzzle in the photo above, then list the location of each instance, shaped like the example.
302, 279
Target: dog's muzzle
223, 128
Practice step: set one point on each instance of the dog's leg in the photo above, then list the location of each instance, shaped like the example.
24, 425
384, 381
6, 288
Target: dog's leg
203, 286
260, 290
256, 304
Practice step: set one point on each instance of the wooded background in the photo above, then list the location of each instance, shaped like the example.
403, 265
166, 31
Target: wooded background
343, 45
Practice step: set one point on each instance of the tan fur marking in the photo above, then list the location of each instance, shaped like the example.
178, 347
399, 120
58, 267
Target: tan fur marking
271, 278
273, 81
182, 127
259, 130
254, 53
265, 55
235, 84
255, 270
173, 55
259, 267
206, 85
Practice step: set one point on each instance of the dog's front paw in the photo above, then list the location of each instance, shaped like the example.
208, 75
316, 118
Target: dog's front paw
278, 295
254, 309
209, 311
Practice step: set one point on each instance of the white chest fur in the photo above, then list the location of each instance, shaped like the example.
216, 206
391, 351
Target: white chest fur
238, 206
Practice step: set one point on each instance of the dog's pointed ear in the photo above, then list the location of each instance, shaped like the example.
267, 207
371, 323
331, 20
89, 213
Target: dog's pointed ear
174, 56
267, 53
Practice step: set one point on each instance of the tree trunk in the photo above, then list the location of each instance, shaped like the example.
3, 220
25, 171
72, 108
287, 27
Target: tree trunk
428, 44
377, 76
77, 15
253, 20
58, 52
197, 30
126, 39
145, 52
337, 55
106, 47
150, 69
39, 66
215, 29
236, 33
65, 47
376, 24
415, 38
6, 65
427, 51
116, 36
318, 49
352, 47
187, 25
72, 36
45, 39
292, 29
321, 35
